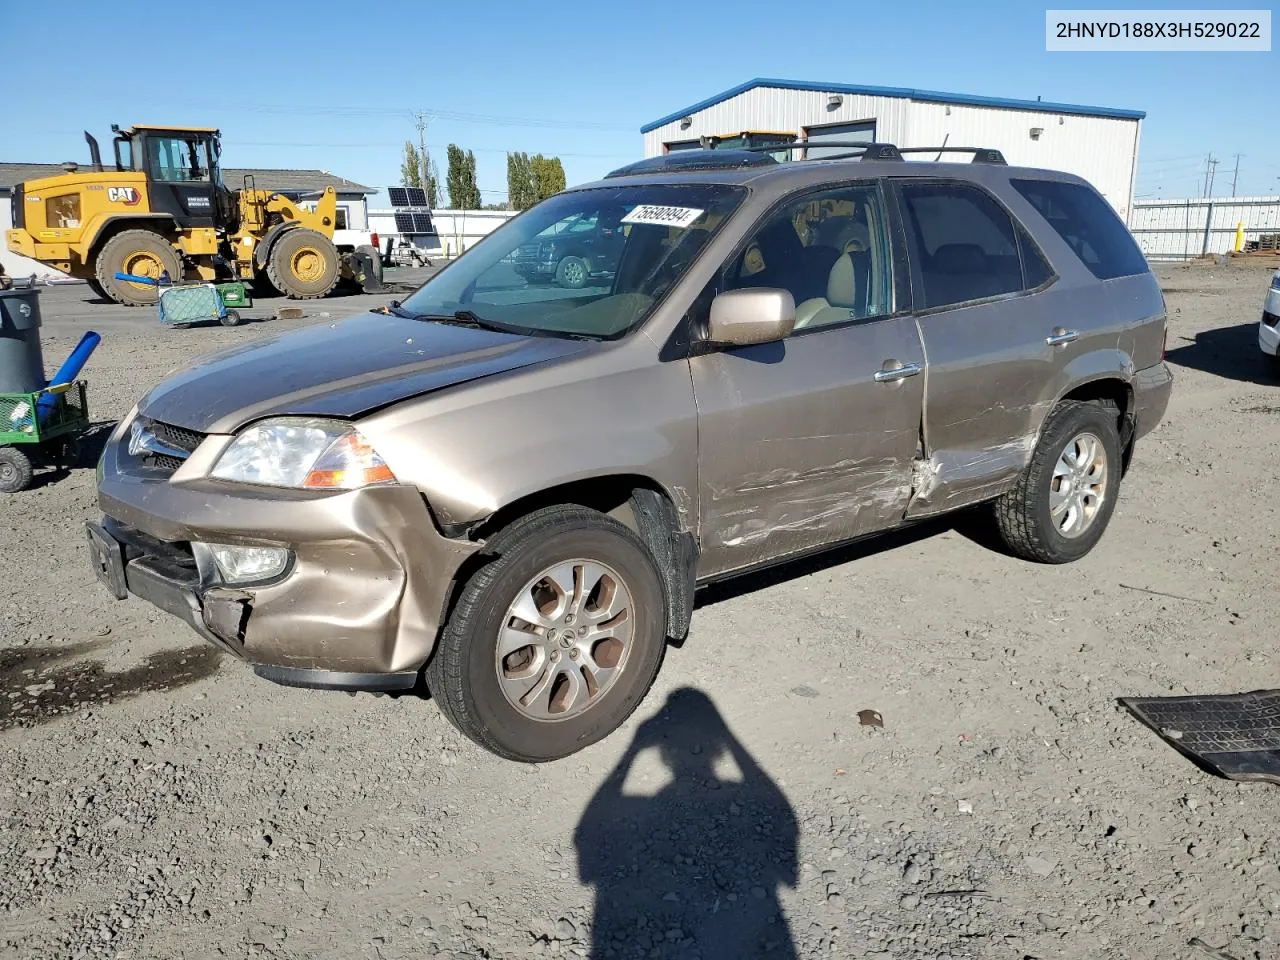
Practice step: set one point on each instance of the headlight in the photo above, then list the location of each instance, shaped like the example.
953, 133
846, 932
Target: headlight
248, 564
299, 452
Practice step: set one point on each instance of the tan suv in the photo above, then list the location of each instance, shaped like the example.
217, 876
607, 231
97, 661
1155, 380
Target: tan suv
507, 493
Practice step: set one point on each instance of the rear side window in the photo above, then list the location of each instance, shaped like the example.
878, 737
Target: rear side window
1088, 224
965, 246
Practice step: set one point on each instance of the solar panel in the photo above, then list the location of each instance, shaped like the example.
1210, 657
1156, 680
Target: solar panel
417, 197
404, 223
422, 223
399, 196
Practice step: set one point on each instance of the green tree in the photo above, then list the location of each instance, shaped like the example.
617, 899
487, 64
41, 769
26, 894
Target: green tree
547, 175
411, 167
431, 182
461, 179
519, 181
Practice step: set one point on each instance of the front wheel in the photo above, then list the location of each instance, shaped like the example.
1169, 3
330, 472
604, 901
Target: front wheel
303, 264
572, 273
15, 470
1064, 499
554, 643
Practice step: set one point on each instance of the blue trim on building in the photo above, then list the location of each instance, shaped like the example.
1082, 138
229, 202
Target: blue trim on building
930, 96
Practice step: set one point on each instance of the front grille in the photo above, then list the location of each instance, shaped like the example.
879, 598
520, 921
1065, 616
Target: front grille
163, 462
179, 437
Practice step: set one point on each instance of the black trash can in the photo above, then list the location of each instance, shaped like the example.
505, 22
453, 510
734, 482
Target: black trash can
21, 360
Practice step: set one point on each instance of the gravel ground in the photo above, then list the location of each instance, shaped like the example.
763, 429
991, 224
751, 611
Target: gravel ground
157, 800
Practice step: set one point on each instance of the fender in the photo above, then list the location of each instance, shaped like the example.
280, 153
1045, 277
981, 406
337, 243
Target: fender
262, 251
91, 238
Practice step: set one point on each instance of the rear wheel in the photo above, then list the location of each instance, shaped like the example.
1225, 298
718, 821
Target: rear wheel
1064, 499
15, 470
231, 319
553, 644
303, 265
140, 253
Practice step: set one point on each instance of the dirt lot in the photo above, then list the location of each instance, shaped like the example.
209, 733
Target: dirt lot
157, 800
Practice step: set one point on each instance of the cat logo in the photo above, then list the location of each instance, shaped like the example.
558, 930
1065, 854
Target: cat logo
126, 195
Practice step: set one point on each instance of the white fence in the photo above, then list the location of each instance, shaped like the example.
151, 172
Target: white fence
1181, 229
455, 230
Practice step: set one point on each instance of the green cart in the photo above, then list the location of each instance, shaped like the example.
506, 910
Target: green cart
40, 429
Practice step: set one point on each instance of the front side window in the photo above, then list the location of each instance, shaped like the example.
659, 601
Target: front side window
586, 262
964, 245
1088, 224
177, 159
829, 249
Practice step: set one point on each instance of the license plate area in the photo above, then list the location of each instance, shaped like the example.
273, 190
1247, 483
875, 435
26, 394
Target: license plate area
107, 556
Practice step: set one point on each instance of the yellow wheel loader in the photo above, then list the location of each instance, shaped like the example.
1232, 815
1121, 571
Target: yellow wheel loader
162, 208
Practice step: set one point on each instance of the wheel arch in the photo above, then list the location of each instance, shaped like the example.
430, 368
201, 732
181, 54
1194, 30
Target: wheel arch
161, 224
1114, 389
262, 252
635, 500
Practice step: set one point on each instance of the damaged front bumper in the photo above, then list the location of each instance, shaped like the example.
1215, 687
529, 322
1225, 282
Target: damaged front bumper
358, 606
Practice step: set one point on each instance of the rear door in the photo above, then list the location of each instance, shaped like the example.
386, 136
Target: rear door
810, 441
982, 290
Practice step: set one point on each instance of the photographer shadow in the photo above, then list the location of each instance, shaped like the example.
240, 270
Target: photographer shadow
693, 870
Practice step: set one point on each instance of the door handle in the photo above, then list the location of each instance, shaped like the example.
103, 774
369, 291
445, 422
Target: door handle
892, 371
1061, 336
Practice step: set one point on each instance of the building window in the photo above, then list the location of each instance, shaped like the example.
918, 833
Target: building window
861, 130
340, 219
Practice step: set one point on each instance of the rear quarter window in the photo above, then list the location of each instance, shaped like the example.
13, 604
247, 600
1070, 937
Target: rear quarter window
1088, 225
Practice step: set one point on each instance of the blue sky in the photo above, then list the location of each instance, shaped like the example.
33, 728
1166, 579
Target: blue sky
335, 85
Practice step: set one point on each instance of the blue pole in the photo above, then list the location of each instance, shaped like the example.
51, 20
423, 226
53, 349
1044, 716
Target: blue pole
69, 370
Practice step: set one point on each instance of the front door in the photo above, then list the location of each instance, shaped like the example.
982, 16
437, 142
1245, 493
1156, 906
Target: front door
180, 178
810, 441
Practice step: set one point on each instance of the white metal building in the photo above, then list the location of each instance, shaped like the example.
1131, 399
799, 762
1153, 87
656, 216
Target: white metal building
1097, 143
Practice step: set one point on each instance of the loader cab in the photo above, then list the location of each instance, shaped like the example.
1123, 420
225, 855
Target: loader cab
182, 170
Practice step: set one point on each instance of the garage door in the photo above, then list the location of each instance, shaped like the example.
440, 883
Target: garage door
862, 130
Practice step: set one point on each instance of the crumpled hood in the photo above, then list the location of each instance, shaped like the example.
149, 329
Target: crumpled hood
339, 370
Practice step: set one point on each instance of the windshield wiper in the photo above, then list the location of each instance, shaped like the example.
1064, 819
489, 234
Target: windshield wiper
469, 318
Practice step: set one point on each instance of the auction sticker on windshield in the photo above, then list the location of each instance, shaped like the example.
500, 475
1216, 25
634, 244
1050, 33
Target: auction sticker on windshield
664, 216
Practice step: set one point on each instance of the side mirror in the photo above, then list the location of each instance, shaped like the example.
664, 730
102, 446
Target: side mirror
740, 318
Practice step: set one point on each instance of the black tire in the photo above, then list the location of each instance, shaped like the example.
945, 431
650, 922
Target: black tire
98, 290
571, 272
291, 259
462, 675
15, 470
116, 255
1023, 514
231, 319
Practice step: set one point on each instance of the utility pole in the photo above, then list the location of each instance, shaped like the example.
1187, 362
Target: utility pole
1210, 168
1235, 176
423, 158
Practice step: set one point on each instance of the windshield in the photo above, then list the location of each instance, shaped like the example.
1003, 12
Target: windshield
587, 263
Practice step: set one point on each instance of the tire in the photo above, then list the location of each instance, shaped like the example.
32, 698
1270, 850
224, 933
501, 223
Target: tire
463, 675
231, 319
143, 252
571, 272
15, 470
1024, 515
303, 264
98, 289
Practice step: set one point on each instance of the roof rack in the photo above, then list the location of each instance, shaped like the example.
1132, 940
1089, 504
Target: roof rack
694, 160
876, 150
980, 154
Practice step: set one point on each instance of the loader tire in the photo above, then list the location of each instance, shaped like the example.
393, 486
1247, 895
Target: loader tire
141, 253
303, 265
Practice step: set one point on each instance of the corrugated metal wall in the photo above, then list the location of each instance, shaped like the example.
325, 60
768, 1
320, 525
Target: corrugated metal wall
1191, 227
1102, 150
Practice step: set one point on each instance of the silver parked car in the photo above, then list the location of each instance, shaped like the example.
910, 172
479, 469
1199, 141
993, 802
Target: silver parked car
507, 492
